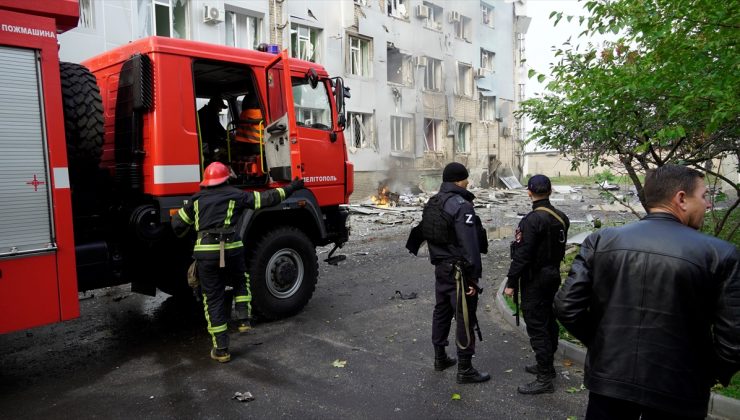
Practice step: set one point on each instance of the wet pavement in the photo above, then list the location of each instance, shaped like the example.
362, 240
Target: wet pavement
132, 356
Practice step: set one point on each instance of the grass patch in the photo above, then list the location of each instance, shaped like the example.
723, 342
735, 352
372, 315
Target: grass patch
732, 390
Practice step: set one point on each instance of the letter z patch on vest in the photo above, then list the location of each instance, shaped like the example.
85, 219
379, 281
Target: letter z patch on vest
469, 219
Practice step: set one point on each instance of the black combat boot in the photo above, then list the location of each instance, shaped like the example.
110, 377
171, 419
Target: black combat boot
543, 384
467, 374
535, 370
220, 351
441, 360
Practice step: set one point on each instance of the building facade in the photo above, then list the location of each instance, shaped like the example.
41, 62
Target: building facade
431, 81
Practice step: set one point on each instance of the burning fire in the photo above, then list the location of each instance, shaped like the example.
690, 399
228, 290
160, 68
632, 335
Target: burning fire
385, 197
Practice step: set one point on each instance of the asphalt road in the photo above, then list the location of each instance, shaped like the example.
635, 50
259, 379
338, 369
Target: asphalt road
132, 356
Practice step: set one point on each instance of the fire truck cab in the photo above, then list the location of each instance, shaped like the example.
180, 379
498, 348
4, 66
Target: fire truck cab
139, 124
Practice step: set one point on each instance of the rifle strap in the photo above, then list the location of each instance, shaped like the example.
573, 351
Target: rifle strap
460, 291
555, 215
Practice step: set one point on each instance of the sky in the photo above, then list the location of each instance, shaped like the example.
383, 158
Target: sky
542, 36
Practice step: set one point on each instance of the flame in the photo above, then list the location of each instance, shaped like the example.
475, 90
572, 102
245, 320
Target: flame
384, 197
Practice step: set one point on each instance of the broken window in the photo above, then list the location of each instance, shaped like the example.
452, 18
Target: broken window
464, 79
242, 30
400, 67
304, 42
434, 16
432, 135
86, 15
401, 134
486, 60
462, 26
486, 14
462, 141
398, 8
487, 107
361, 130
432, 74
169, 18
360, 54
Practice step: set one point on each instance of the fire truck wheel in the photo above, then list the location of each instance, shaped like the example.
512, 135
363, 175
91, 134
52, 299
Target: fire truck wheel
283, 272
83, 118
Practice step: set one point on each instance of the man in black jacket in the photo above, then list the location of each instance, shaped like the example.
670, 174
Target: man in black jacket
219, 252
536, 252
457, 270
657, 304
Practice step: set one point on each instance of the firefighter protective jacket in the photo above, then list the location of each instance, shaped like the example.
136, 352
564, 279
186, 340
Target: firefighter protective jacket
657, 304
467, 248
215, 212
537, 242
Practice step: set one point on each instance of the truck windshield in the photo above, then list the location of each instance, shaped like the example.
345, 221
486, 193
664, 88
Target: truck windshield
312, 107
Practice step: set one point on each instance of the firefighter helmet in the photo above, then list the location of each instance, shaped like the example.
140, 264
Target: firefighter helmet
215, 174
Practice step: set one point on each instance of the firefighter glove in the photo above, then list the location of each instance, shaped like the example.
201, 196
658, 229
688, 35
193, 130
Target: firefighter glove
295, 185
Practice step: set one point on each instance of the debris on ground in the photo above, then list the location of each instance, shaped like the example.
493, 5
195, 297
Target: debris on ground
402, 296
243, 396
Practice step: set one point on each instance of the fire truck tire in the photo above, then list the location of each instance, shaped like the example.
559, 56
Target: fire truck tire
283, 270
83, 117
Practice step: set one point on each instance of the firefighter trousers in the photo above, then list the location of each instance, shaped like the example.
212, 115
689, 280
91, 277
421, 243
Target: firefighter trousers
446, 307
213, 282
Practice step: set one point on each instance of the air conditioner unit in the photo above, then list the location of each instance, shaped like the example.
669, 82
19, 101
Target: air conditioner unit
454, 17
506, 131
422, 61
480, 73
212, 14
422, 11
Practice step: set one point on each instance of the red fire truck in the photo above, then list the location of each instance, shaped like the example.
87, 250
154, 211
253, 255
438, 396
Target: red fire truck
95, 157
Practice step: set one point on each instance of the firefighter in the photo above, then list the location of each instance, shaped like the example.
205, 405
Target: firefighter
536, 252
214, 212
212, 133
457, 269
248, 128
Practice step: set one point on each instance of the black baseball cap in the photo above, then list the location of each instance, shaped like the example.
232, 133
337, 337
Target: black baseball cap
539, 184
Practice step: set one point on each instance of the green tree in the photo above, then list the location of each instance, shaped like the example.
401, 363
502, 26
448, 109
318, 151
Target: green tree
663, 88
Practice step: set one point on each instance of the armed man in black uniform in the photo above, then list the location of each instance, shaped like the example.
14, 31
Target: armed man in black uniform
536, 253
457, 272
219, 252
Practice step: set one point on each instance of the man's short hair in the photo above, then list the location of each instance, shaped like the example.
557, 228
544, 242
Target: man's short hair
662, 183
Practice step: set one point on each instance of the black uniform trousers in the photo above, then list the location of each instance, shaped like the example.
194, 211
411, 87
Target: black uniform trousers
213, 281
601, 407
448, 306
538, 293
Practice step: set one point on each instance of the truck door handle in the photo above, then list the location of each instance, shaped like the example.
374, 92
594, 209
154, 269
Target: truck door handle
277, 128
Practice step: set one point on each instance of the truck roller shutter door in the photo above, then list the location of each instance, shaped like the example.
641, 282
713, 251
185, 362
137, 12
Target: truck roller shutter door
25, 216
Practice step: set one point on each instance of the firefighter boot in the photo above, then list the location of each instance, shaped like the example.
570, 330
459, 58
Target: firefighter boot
220, 352
467, 374
543, 384
441, 360
244, 325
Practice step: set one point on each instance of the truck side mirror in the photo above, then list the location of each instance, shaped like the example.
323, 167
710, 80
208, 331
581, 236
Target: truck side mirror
313, 78
340, 92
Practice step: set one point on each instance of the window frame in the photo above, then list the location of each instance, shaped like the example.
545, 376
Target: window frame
437, 135
433, 68
171, 18
366, 132
463, 28
436, 16
316, 47
462, 137
487, 15
487, 108
87, 15
405, 128
392, 7
406, 68
465, 79
357, 51
489, 62
231, 22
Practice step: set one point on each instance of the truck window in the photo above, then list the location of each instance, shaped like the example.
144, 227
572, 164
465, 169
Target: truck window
312, 106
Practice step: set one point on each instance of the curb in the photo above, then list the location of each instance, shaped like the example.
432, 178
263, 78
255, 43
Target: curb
719, 405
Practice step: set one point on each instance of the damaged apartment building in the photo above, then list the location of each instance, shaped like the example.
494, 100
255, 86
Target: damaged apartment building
432, 81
